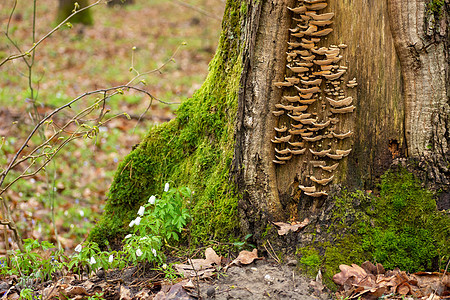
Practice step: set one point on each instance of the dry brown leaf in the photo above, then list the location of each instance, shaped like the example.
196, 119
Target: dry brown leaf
246, 257
294, 226
212, 257
73, 291
125, 293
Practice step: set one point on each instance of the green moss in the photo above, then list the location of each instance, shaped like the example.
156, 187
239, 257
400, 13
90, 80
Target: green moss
435, 6
310, 260
400, 227
194, 150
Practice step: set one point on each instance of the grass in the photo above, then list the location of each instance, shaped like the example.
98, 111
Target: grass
70, 63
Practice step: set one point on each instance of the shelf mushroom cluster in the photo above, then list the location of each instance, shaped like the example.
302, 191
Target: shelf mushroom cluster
314, 100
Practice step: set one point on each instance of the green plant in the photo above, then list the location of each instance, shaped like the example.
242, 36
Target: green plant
27, 294
37, 260
310, 260
244, 244
159, 221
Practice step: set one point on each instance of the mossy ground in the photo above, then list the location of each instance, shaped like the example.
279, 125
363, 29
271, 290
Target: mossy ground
193, 150
400, 227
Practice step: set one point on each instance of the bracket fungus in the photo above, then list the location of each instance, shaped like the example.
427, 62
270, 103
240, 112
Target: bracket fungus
282, 129
309, 101
323, 181
300, 108
321, 153
277, 113
297, 131
322, 32
298, 10
321, 17
279, 162
330, 168
317, 194
297, 144
281, 139
311, 82
298, 151
283, 158
334, 156
298, 69
307, 121
321, 125
342, 136
313, 139
283, 152
313, 90
282, 83
308, 189
340, 103
344, 153
343, 110
316, 6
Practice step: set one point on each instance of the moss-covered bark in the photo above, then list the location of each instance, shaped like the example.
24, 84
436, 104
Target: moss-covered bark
194, 149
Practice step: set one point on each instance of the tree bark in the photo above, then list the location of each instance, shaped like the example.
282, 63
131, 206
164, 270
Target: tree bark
396, 86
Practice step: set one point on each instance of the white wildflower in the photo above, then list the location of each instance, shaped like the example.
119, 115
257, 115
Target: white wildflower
154, 252
152, 199
141, 211
137, 221
81, 212
92, 261
128, 236
131, 223
111, 258
78, 248
166, 187
138, 252
143, 238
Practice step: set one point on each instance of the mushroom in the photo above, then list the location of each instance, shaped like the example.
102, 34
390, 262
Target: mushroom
308, 58
321, 125
282, 129
303, 52
297, 144
343, 68
314, 89
306, 96
320, 153
281, 139
334, 76
317, 163
298, 10
311, 82
299, 108
351, 85
316, 6
322, 17
343, 135
306, 45
329, 168
310, 101
296, 29
305, 40
298, 126
320, 73
334, 120
296, 118
297, 131
306, 134
321, 23
323, 181
298, 151
313, 129
326, 67
293, 80
332, 52
336, 59
342, 46
344, 153
279, 162
307, 189
317, 194
292, 98
307, 121
323, 62
313, 139
322, 32
283, 152
334, 156
286, 107
294, 44
298, 69
298, 34
305, 64
277, 113
314, 1
311, 29
340, 103
343, 110
282, 83
320, 51
281, 158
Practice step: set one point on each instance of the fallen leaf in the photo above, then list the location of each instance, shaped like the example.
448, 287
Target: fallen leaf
212, 257
246, 257
294, 226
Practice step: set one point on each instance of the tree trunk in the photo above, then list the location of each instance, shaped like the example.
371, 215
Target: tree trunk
227, 129
66, 7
